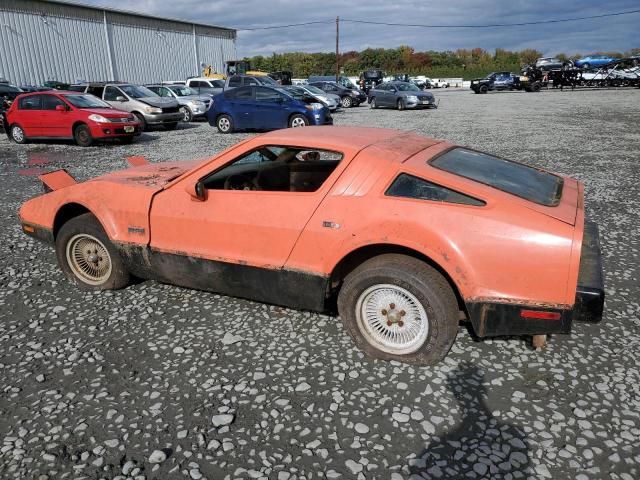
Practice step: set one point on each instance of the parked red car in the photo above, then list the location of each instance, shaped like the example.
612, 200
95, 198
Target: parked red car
71, 115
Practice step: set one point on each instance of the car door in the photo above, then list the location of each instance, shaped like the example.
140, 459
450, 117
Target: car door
111, 95
271, 109
256, 228
55, 123
389, 98
29, 109
241, 106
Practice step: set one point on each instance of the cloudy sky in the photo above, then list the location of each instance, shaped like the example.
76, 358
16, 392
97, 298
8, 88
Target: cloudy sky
618, 33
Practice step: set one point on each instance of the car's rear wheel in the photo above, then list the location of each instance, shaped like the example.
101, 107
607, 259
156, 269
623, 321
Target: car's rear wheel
17, 134
82, 136
224, 124
141, 121
372, 104
298, 120
396, 307
400, 104
346, 102
187, 116
171, 126
87, 257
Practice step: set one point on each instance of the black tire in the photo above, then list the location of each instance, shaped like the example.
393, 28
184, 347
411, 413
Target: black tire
346, 101
400, 104
84, 227
297, 120
141, 120
372, 103
427, 285
224, 123
535, 87
17, 134
187, 114
483, 89
171, 126
82, 135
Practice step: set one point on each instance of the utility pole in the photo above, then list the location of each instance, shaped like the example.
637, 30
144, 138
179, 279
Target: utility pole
337, 43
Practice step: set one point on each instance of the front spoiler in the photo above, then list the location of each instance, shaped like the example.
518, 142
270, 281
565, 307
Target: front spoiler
590, 292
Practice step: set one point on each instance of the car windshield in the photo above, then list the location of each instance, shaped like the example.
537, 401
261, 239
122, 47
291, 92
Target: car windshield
407, 87
314, 90
515, 178
86, 101
182, 91
136, 91
217, 83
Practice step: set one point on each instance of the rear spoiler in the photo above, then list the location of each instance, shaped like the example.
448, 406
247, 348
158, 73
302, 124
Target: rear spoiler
56, 180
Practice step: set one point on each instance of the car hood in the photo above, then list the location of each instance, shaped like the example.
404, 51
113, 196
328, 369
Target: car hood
107, 112
158, 102
152, 175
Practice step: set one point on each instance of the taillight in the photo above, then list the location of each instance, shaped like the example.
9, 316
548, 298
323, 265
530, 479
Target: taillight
540, 315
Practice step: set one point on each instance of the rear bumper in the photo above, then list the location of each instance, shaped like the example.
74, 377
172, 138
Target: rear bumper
590, 292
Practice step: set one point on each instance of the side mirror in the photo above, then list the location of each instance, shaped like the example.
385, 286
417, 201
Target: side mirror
121, 99
61, 108
197, 191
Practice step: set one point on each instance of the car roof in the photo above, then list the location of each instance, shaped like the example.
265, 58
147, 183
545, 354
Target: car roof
396, 145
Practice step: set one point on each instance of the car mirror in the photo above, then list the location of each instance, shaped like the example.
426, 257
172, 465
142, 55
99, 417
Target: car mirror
60, 108
121, 99
197, 191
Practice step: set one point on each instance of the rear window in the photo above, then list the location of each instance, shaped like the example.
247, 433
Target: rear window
517, 179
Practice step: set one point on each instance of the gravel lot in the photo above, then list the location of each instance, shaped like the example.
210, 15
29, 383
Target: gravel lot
159, 382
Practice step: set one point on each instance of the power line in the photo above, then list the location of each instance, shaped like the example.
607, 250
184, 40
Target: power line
285, 26
492, 25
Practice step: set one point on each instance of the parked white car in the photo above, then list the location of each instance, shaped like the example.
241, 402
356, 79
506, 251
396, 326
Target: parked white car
436, 83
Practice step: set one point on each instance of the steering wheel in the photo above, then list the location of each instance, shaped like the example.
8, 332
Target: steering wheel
240, 182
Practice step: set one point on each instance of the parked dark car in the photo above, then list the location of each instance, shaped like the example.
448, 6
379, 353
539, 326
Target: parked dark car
259, 107
236, 81
348, 97
343, 81
400, 95
8, 94
370, 79
496, 81
282, 78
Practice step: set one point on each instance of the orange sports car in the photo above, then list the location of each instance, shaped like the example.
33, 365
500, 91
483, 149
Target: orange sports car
405, 234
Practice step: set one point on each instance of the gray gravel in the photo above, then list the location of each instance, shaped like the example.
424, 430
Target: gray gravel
159, 382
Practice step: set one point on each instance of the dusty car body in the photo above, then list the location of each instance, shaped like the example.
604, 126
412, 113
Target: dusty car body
403, 231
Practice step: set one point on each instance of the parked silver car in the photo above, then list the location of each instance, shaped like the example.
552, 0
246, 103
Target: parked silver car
400, 95
331, 101
148, 107
192, 105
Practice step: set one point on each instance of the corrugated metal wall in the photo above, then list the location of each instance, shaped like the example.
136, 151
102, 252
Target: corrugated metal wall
42, 41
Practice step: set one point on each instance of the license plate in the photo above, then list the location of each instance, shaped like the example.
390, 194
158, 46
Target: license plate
129, 129
425, 101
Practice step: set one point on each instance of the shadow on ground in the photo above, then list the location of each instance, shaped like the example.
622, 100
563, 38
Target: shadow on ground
481, 445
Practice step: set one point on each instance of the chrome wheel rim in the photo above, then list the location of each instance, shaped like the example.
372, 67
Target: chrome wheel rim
88, 259
346, 102
392, 319
18, 134
224, 124
185, 114
298, 122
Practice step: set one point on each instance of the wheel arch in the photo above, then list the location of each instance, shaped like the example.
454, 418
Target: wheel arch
356, 257
76, 124
66, 212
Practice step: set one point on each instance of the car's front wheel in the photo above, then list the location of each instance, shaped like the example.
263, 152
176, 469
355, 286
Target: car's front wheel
17, 134
372, 103
82, 136
87, 257
298, 120
346, 102
187, 116
483, 89
400, 104
396, 307
224, 124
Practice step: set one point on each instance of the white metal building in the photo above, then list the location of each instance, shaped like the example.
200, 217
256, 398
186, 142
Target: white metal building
69, 42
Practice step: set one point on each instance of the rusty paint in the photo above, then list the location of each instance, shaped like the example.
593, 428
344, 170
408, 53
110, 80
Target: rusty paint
519, 301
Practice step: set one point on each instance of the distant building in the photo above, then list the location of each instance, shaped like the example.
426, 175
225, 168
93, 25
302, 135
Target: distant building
68, 42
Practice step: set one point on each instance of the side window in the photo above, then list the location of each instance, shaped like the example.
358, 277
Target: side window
112, 93
49, 102
155, 90
243, 93
33, 102
96, 91
408, 186
163, 92
267, 95
250, 81
276, 169
235, 81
